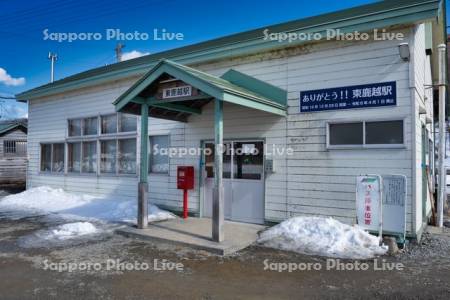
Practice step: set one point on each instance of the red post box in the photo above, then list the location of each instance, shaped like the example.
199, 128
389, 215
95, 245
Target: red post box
185, 177
185, 182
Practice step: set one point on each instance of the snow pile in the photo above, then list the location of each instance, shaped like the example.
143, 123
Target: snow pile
63, 235
322, 237
71, 230
44, 200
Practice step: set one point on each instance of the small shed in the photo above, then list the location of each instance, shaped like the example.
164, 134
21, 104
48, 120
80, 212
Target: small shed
13, 152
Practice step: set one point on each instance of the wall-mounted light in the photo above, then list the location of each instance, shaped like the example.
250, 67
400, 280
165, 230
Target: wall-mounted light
403, 50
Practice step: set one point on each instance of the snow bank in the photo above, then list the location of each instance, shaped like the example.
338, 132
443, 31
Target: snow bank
44, 200
322, 237
63, 235
71, 230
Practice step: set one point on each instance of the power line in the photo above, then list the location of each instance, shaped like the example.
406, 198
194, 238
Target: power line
53, 11
8, 98
99, 8
32, 12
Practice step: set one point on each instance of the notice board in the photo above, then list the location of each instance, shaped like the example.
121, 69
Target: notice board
394, 204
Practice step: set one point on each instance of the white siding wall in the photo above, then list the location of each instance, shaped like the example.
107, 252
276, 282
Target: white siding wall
321, 181
423, 97
314, 181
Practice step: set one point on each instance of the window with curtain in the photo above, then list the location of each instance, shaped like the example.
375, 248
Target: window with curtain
52, 158
104, 144
46, 157
74, 157
58, 158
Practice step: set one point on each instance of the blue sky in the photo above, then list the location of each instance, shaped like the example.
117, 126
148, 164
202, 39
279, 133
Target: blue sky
24, 63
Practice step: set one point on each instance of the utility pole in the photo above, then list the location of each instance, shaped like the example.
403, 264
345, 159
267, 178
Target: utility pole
118, 50
53, 57
442, 131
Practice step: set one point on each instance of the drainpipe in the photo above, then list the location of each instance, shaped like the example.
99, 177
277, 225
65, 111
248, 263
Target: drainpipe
442, 130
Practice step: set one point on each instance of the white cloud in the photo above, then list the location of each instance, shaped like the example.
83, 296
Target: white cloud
7, 79
133, 54
13, 110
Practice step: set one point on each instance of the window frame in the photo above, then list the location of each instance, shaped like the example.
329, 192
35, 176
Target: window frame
51, 158
98, 138
149, 154
364, 145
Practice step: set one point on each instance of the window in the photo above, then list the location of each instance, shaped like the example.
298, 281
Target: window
104, 144
89, 157
109, 124
248, 160
384, 132
108, 156
366, 134
159, 162
75, 127
14, 148
90, 126
74, 158
83, 127
210, 150
127, 156
58, 158
46, 157
52, 158
128, 123
346, 134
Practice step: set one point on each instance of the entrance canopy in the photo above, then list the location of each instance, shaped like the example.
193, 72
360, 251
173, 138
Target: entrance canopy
174, 91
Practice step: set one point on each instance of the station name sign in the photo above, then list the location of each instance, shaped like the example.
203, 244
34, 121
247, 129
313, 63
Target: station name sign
178, 91
348, 97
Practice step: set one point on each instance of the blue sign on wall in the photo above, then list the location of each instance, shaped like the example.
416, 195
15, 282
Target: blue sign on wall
356, 96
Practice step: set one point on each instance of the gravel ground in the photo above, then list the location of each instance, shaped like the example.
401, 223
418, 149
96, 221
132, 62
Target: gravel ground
24, 272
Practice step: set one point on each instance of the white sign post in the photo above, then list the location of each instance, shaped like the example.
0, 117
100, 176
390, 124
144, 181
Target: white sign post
368, 203
394, 205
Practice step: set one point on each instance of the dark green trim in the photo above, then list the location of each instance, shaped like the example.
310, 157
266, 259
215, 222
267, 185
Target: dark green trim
201, 96
377, 15
212, 86
177, 107
257, 86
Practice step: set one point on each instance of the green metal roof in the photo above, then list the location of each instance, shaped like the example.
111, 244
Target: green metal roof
8, 125
211, 86
377, 15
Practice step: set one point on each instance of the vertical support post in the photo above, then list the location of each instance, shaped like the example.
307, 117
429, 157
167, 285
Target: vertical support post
185, 204
143, 178
218, 196
442, 131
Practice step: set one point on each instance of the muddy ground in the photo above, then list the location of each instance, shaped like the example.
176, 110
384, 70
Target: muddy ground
28, 270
